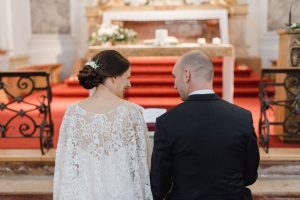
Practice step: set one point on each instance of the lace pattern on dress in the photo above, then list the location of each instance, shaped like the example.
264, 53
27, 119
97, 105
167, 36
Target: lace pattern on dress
102, 156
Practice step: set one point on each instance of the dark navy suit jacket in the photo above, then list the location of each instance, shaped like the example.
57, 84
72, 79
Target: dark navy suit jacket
205, 148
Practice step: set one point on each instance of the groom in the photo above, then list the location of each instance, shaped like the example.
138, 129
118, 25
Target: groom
204, 148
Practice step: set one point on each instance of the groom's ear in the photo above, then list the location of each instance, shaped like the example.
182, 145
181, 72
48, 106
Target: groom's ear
187, 75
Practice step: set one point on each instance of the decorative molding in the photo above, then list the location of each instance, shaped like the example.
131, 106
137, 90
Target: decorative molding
294, 51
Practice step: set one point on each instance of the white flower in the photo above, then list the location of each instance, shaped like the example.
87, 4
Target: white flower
115, 27
111, 32
100, 31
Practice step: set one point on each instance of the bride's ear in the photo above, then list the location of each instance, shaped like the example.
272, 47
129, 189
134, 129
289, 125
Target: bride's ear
112, 79
109, 81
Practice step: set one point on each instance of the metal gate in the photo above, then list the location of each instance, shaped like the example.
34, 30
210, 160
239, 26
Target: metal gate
25, 99
279, 90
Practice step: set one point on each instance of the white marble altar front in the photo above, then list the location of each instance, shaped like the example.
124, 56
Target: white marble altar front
166, 15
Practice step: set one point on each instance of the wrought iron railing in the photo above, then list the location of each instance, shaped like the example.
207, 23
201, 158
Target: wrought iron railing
25, 99
279, 93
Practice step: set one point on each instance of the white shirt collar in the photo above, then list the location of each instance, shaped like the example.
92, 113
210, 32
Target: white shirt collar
206, 91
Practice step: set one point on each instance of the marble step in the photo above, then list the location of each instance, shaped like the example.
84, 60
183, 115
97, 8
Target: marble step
40, 187
25, 174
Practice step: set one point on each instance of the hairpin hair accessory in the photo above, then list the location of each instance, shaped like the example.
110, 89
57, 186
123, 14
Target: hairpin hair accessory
92, 64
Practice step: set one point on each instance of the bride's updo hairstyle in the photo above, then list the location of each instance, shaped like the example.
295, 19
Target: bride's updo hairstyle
108, 63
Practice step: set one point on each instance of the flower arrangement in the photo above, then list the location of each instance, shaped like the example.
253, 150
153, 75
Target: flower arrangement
112, 33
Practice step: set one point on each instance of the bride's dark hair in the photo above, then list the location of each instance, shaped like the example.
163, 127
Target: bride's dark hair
108, 63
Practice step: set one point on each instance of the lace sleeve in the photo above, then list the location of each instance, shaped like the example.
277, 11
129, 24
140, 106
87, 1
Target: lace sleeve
140, 128
61, 150
146, 138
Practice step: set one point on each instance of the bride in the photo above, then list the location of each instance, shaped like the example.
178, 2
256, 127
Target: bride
102, 147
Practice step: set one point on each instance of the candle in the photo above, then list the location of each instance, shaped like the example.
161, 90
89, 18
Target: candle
201, 41
161, 36
216, 40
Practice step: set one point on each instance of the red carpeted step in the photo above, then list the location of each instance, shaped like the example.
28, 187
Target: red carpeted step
152, 91
164, 79
240, 92
170, 60
157, 91
152, 76
166, 60
156, 102
239, 81
237, 73
150, 70
170, 102
71, 82
64, 90
152, 80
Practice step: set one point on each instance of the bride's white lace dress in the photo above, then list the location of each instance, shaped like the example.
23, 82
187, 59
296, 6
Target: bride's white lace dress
102, 156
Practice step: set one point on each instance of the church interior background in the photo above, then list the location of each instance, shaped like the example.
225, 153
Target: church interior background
244, 37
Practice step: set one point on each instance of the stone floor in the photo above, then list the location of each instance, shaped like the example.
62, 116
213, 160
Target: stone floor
28, 175
41, 186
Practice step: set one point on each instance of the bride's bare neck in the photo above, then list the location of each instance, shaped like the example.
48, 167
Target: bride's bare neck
102, 100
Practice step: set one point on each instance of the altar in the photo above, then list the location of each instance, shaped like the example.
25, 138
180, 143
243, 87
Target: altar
226, 51
148, 16
186, 22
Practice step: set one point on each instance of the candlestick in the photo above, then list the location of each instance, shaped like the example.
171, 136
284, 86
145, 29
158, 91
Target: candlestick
201, 41
216, 40
161, 36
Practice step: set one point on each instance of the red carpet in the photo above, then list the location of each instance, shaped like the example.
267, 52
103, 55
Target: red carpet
58, 108
152, 86
59, 105
152, 77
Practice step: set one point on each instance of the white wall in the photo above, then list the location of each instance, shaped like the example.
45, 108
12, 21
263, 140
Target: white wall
16, 35
65, 48
261, 42
4, 23
15, 25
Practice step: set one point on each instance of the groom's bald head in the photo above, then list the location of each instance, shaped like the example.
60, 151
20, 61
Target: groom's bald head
198, 63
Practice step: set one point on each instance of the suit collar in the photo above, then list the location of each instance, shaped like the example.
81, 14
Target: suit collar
200, 97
